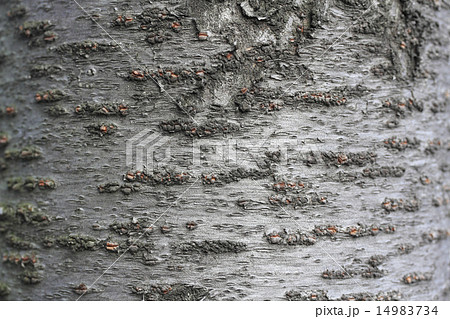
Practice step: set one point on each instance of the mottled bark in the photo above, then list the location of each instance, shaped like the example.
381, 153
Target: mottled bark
337, 189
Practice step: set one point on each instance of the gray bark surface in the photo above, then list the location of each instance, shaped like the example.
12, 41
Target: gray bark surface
323, 86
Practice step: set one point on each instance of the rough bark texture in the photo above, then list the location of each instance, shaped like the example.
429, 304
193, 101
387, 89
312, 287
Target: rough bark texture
342, 192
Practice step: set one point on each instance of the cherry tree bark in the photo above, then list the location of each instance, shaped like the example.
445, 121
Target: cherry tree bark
224, 150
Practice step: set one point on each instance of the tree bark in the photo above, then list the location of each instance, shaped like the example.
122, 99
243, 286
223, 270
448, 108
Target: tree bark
224, 150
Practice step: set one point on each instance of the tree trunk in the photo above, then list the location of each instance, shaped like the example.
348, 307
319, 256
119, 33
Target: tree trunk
224, 150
